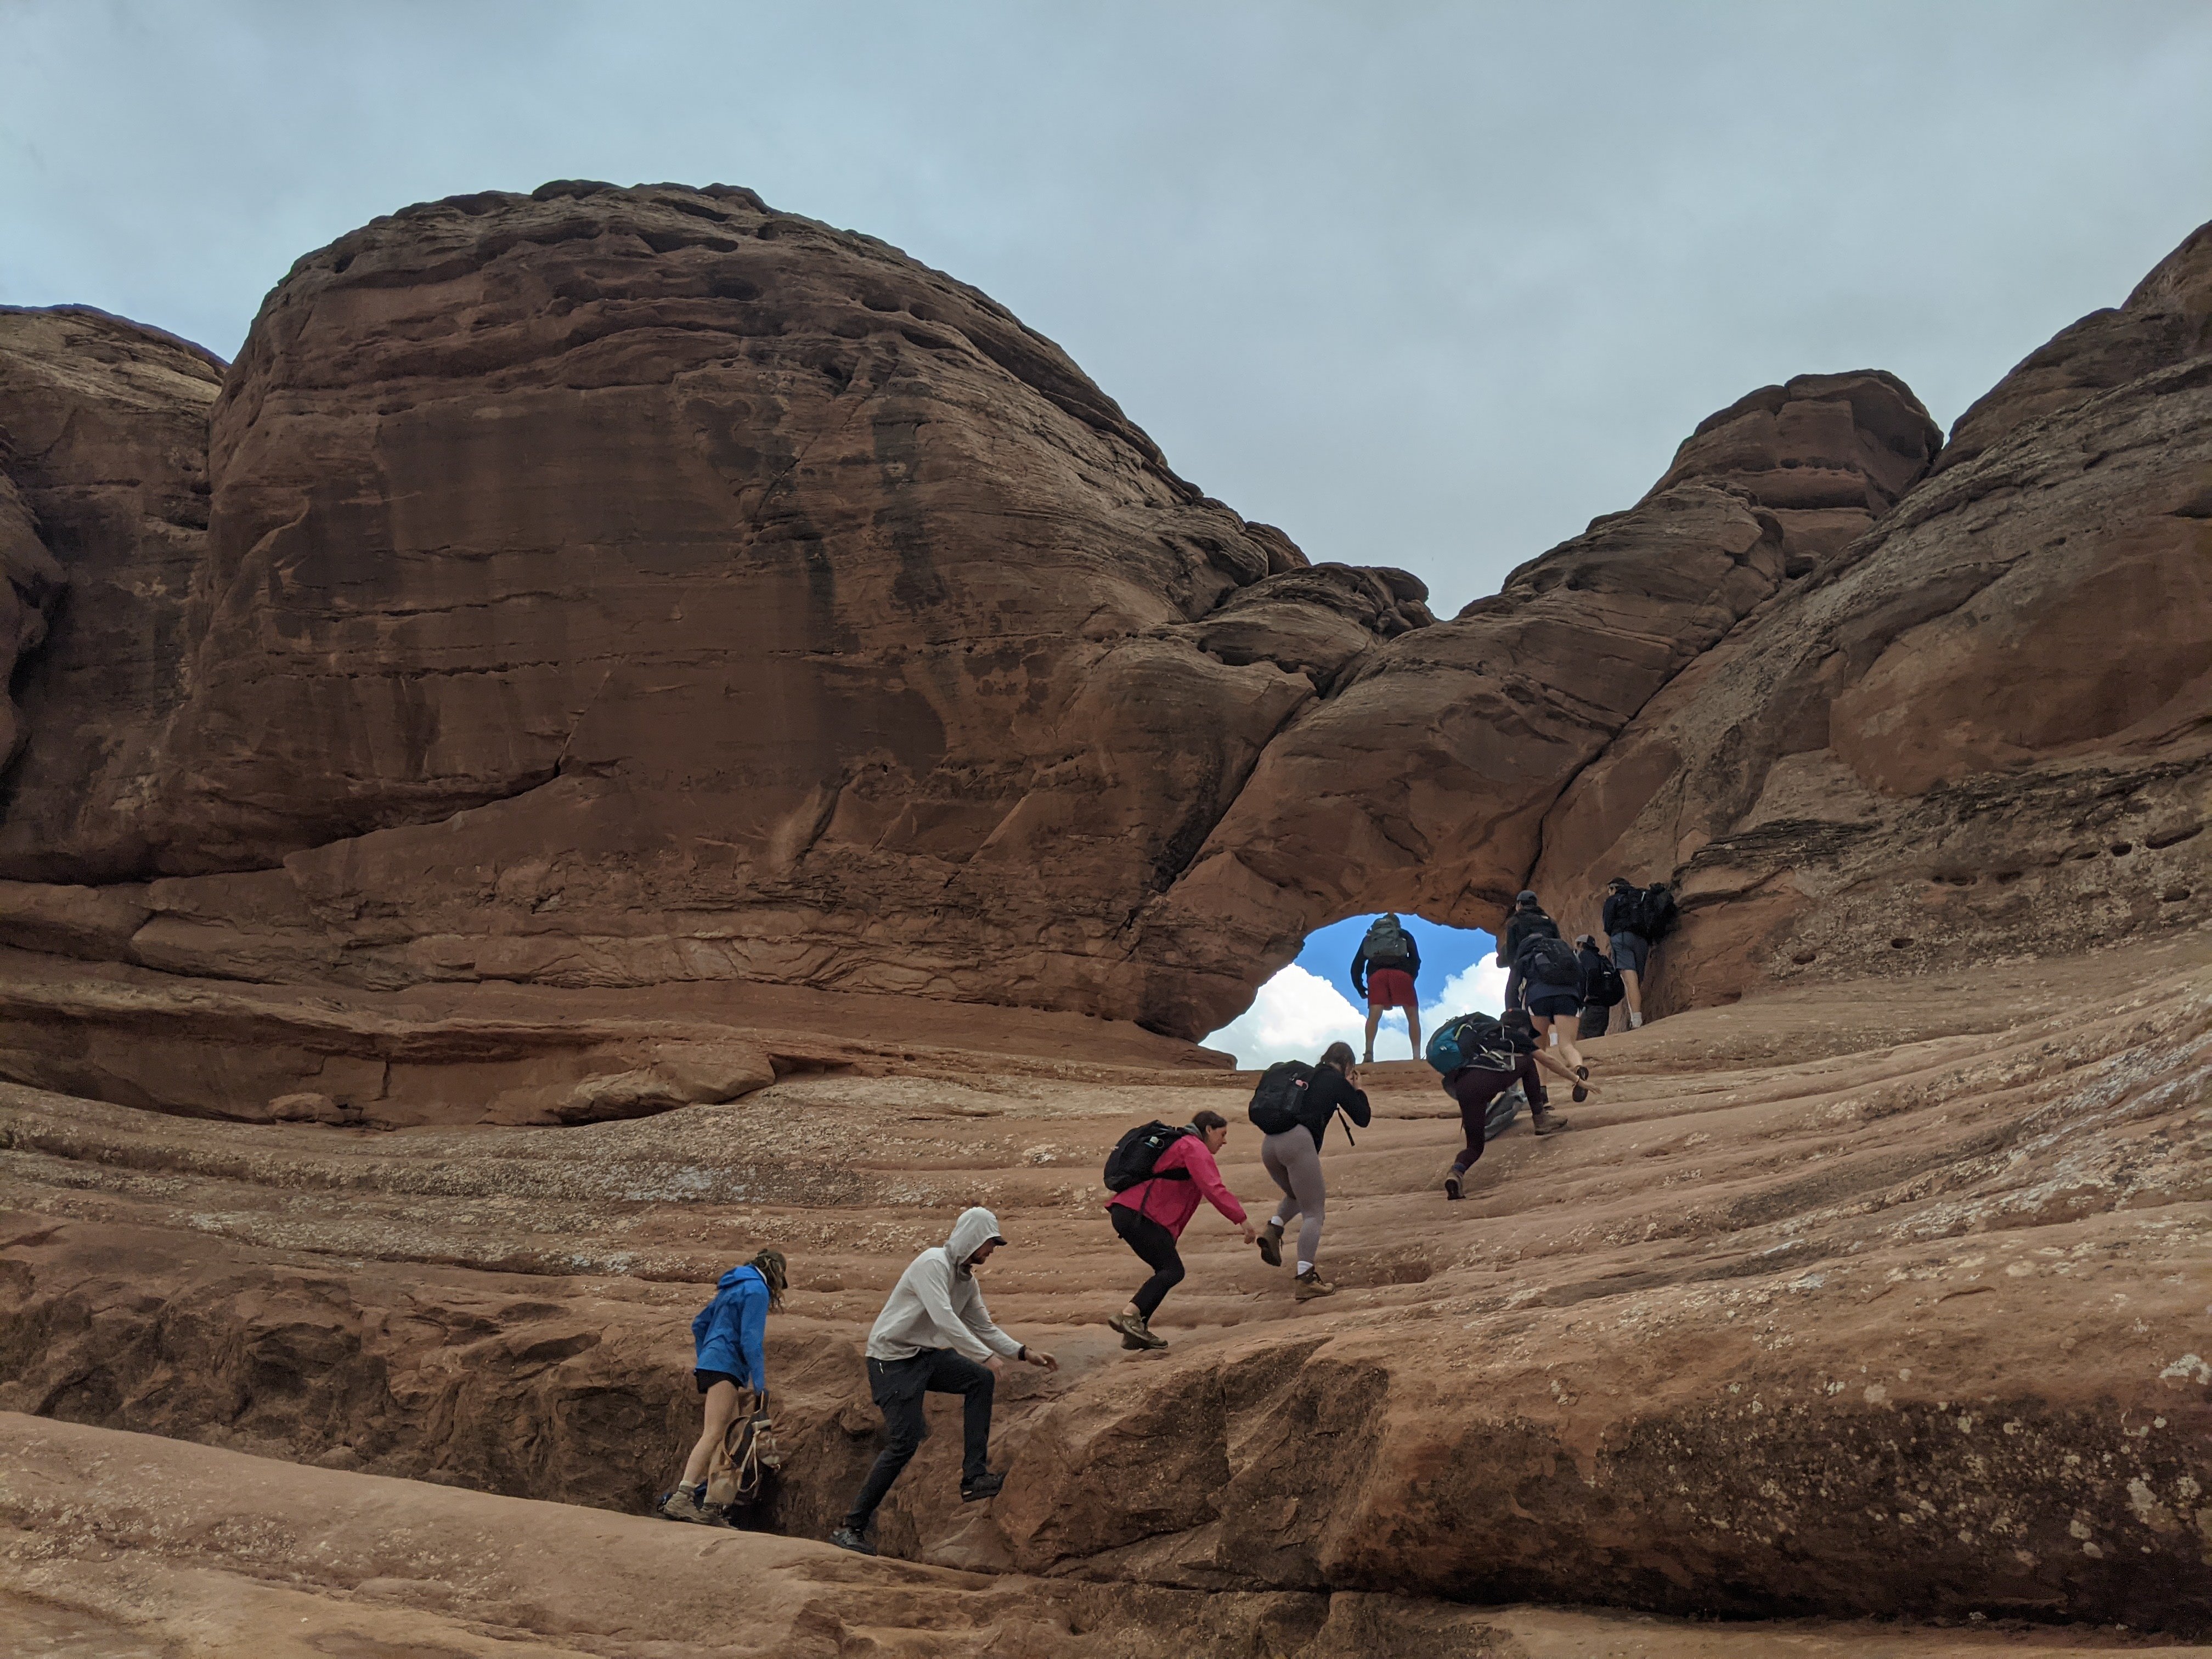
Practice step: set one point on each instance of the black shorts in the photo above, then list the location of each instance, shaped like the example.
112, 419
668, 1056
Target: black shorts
706, 1380
1554, 1006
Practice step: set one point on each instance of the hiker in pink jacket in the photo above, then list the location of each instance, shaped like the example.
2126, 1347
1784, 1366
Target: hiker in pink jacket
1151, 1215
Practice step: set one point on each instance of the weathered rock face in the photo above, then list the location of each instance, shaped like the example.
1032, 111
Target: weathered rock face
103, 504
1424, 785
1886, 1299
1984, 730
619, 587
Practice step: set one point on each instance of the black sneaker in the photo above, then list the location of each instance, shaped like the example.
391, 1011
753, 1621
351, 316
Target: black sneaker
984, 1486
1452, 1188
846, 1539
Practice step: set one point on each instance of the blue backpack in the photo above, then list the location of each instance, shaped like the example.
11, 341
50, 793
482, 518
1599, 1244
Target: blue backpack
1470, 1040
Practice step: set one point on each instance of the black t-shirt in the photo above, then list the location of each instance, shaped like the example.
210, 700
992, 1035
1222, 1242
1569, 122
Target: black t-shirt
1329, 1090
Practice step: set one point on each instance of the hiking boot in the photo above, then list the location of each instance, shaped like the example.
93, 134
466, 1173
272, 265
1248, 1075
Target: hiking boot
1546, 1121
845, 1538
1136, 1331
1271, 1243
1452, 1187
684, 1504
1310, 1283
984, 1486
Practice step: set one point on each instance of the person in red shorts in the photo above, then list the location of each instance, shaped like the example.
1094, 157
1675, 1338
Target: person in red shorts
1383, 972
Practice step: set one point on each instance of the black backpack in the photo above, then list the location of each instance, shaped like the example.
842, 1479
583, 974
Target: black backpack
1658, 912
1281, 1092
1130, 1164
1551, 959
1386, 944
1601, 986
1471, 1040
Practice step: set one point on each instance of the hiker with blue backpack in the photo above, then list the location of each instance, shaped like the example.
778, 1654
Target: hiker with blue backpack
729, 1362
1157, 1175
1293, 1107
1384, 970
1480, 1059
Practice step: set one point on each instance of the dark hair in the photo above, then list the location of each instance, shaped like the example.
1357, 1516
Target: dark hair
1208, 1119
1338, 1054
1519, 1029
1621, 881
771, 1268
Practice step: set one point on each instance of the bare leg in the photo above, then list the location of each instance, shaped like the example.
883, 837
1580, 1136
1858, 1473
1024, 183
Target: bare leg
1560, 1036
1374, 1019
720, 1408
1413, 1029
1628, 983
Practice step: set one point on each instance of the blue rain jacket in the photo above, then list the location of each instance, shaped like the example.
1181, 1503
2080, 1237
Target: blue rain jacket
728, 1332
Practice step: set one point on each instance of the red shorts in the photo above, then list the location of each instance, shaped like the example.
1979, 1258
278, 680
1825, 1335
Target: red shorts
1389, 987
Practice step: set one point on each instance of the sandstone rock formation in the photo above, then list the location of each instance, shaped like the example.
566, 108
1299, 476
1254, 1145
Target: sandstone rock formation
1985, 727
627, 587
1886, 1303
103, 504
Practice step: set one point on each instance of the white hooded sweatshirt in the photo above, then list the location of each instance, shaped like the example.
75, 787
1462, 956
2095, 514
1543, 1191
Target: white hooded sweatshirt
937, 1302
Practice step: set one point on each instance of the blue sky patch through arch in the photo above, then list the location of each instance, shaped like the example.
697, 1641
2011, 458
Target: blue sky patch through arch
1311, 1004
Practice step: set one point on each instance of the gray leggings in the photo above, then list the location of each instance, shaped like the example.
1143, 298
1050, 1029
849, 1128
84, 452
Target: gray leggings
1294, 1161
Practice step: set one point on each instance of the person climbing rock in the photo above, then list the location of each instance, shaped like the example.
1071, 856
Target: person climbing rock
1527, 921
935, 1336
729, 1359
1635, 919
1151, 1215
1514, 1057
1602, 988
1552, 991
1291, 1156
1384, 970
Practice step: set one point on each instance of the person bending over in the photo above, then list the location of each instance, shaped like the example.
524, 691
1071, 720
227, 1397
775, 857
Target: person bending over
1151, 1215
1476, 1084
935, 1336
728, 1340
1292, 1158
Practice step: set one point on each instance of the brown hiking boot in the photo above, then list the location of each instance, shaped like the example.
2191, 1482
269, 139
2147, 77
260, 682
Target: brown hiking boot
1271, 1243
684, 1504
1546, 1121
1136, 1331
1309, 1285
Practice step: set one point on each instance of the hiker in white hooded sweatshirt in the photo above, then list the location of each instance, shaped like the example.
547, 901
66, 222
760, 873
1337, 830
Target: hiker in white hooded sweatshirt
935, 1336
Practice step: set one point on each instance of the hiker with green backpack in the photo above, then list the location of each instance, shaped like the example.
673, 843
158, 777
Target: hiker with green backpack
1481, 1058
1384, 970
1157, 1175
1293, 1107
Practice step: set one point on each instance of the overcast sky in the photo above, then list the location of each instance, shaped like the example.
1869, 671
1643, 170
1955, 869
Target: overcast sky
1424, 284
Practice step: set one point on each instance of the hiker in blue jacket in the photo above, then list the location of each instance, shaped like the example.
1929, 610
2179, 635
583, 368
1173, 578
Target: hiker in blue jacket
728, 1357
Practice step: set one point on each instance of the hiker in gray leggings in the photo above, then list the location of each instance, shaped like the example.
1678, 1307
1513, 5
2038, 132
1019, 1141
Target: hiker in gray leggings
1293, 1159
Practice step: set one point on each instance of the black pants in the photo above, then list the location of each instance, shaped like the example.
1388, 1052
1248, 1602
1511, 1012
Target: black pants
1594, 1021
898, 1386
1156, 1246
1514, 986
1474, 1088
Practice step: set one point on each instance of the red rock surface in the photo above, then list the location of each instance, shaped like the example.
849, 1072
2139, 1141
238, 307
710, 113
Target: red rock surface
1984, 729
103, 504
1883, 1301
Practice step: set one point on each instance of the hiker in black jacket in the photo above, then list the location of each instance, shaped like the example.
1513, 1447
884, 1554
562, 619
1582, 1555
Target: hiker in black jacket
1527, 921
1384, 970
1634, 918
1491, 1074
1292, 1160
1603, 989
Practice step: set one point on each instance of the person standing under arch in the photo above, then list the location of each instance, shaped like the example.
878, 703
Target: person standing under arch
1384, 970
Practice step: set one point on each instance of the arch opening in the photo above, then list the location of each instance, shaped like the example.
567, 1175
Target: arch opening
1312, 1002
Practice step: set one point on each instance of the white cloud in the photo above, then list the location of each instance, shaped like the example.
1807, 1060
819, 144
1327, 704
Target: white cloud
1298, 1013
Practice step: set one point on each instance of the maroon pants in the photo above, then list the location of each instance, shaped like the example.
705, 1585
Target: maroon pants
1474, 1088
